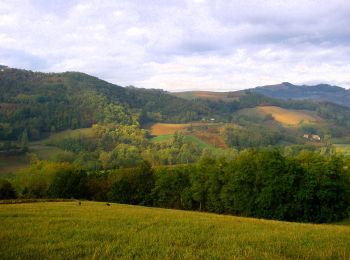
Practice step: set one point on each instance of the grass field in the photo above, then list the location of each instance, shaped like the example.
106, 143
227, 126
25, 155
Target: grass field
75, 133
343, 148
289, 116
65, 230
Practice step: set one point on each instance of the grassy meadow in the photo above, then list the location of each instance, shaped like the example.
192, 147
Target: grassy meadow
289, 116
65, 230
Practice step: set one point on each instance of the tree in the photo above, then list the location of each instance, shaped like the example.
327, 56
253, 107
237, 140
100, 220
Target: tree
69, 184
7, 191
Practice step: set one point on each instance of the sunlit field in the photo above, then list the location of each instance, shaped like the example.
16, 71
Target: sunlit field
288, 116
65, 230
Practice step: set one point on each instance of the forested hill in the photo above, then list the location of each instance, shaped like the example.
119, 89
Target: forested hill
33, 104
322, 92
43, 102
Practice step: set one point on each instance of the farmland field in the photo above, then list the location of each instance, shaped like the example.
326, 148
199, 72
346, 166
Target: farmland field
166, 129
209, 137
288, 116
65, 230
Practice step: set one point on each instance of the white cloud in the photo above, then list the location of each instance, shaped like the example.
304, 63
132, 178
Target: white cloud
217, 45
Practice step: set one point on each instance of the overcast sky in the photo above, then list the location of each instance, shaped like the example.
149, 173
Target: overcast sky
181, 45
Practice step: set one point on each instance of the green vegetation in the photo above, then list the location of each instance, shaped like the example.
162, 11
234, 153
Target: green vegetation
343, 148
12, 163
61, 230
87, 127
161, 138
308, 187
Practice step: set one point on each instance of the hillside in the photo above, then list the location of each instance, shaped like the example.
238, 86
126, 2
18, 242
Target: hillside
35, 107
210, 95
34, 104
48, 102
321, 92
66, 230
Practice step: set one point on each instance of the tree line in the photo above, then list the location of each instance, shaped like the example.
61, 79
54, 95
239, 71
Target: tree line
307, 187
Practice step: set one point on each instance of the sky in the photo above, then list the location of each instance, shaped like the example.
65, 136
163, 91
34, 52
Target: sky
182, 44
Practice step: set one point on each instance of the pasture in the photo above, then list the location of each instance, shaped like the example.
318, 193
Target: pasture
71, 133
288, 116
65, 230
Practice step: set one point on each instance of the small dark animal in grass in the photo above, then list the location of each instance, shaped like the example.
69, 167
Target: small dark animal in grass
108, 204
79, 203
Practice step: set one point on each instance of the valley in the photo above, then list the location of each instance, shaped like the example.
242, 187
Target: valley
187, 129
60, 129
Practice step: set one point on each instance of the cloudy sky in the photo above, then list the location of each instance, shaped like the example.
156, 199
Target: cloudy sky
181, 45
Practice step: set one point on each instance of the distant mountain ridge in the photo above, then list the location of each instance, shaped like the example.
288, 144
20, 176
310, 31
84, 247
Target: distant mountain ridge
321, 92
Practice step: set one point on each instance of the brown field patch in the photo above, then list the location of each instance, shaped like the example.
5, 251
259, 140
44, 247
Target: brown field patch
166, 129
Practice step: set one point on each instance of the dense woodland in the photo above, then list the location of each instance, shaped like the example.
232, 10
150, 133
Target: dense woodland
119, 162
308, 187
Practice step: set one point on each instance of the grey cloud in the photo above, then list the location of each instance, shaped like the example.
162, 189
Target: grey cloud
178, 44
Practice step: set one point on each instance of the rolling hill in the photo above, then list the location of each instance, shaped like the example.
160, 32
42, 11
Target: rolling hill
35, 106
53, 230
321, 92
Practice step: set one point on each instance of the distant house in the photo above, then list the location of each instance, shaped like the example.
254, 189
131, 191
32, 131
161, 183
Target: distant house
312, 137
316, 137
212, 119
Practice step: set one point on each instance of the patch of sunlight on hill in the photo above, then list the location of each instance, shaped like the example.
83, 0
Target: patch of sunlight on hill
289, 116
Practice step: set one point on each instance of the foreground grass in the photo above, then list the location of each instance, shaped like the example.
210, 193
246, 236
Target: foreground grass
57, 230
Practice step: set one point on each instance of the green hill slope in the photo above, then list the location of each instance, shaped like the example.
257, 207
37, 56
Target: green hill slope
56, 230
